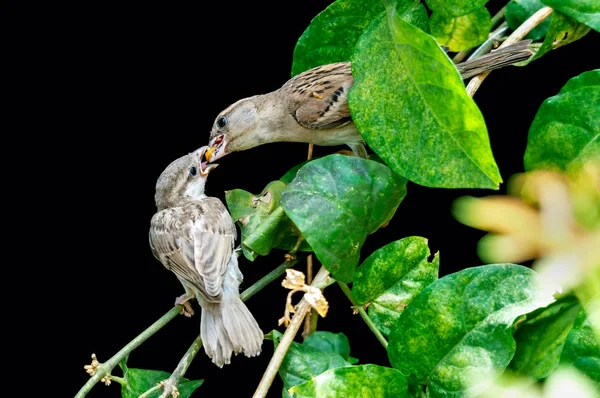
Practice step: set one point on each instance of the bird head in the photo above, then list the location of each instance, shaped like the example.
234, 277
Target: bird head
183, 179
234, 129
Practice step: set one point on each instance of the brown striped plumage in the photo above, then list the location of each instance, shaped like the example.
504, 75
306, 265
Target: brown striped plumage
312, 107
194, 236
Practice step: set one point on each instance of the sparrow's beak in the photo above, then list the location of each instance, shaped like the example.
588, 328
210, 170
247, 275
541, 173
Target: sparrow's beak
205, 168
217, 148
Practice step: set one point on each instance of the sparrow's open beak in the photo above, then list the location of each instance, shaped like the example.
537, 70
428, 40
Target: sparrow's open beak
205, 168
217, 148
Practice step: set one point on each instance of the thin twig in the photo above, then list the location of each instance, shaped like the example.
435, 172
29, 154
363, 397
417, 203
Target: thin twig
309, 277
150, 391
495, 19
488, 45
517, 35
106, 367
170, 385
363, 314
286, 340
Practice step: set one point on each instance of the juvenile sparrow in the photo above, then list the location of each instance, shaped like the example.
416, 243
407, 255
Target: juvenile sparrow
312, 107
193, 235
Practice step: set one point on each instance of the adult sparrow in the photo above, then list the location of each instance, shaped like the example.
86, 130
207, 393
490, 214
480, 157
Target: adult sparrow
193, 235
312, 107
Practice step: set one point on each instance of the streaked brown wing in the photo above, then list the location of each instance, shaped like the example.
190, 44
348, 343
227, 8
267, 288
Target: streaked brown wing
320, 96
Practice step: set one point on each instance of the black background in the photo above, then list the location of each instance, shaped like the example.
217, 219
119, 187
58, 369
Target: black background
126, 89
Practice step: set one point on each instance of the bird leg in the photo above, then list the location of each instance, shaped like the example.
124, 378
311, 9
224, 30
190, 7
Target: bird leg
184, 300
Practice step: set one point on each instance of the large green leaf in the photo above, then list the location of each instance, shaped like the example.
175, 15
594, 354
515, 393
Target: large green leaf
391, 276
458, 331
461, 33
455, 8
562, 30
410, 105
138, 381
303, 362
336, 202
518, 11
357, 381
566, 129
582, 348
541, 338
262, 221
332, 35
584, 11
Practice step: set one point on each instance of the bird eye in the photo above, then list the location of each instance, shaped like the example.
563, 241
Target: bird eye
221, 122
193, 171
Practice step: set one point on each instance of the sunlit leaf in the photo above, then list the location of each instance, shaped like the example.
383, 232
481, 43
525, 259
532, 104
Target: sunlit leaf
461, 33
336, 202
458, 330
391, 276
357, 381
584, 11
455, 8
410, 105
566, 128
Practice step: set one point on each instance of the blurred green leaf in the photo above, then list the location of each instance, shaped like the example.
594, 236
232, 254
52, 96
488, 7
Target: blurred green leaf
562, 30
410, 105
391, 277
303, 362
582, 348
357, 381
455, 8
540, 339
332, 34
461, 33
336, 202
518, 11
263, 222
458, 331
584, 11
566, 129
138, 381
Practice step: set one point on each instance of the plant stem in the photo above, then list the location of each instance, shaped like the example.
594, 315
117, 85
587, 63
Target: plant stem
150, 391
517, 35
287, 338
170, 385
495, 19
498, 17
488, 45
311, 314
363, 314
106, 367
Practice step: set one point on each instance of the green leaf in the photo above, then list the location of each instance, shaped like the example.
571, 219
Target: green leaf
455, 8
458, 331
303, 362
582, 348
562, 30
336, 202
332, 34
336, 343
518, 11
357, 381
541, 338
566, 129
584, 11
262, 221
138, 381
461, 33
410, 105
391, 276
